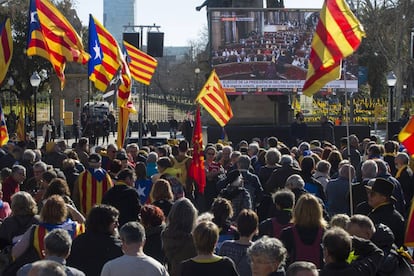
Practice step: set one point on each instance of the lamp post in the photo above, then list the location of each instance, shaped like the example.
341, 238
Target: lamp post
391, 81
10, 82
197, 73
50, 105
35, 82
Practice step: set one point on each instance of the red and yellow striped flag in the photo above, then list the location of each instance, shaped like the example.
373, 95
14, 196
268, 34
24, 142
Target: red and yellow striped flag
338, 34
52, 37
21, 134
406, 136
4, 134
196, 170
106, 57
141, 65
213, 98
123, 120
6, 48
124, 89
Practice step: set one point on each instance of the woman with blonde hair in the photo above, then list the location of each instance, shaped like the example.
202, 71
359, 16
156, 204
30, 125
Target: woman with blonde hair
24, 215
303, 239
162, 196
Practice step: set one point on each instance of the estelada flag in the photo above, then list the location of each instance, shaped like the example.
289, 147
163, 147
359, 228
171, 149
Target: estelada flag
106, 57
52, 37
406, 136
4, 135
213, 98
196, 170
337, 35
6, 48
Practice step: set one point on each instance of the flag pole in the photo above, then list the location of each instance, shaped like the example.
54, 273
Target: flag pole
347, 107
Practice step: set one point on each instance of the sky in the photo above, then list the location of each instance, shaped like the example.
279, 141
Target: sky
180, 24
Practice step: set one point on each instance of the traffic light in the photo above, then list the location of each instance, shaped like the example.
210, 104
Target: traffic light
77, 102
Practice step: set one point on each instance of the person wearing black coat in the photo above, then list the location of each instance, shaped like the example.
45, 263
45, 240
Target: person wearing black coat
99, 244
337, 245
278, 177
381, 200
123, 197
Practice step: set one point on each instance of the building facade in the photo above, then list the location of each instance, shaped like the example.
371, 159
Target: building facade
118, 13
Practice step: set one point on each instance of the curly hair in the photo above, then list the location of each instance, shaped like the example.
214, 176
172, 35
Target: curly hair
151, 215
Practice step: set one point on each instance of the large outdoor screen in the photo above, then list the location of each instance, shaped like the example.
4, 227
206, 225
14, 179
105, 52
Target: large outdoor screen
266, 51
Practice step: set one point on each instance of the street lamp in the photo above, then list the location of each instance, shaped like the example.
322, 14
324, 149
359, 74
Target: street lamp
197, 73
10, 82
35, 82
391, 81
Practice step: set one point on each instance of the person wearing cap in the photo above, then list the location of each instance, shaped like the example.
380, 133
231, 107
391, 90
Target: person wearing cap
92, 184
381, 201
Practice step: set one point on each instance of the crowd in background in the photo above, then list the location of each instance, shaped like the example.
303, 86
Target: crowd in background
266, 209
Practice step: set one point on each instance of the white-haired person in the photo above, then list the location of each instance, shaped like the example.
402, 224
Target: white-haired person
267, 257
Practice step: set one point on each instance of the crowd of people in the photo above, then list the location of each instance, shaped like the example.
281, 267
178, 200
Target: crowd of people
266, 209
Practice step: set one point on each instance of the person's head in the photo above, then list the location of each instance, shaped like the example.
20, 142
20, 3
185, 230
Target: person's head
379, 191
339, 220
95, 160
295, 181
47, 268
132, 149
308, 212
323, 166
253, 149
151, 216
23, 204
210, 153
126, 176
183, 146
243, 163
401, 159
161, 190
18, 173
222, 210
132, 234
272, 156
361, 226
334, 158
57, 243
234, 156
284, 199
205, 236
286, 159
307, 165
226, 152
102, 219
337, 244
83, 144
247, 223
347, 171
369, 169
163, 163
152, 157
182, 216
29, 156
140, 170
57, 187
266, 255
272, 142
374, 151
54, 210
302, 268
111, 151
